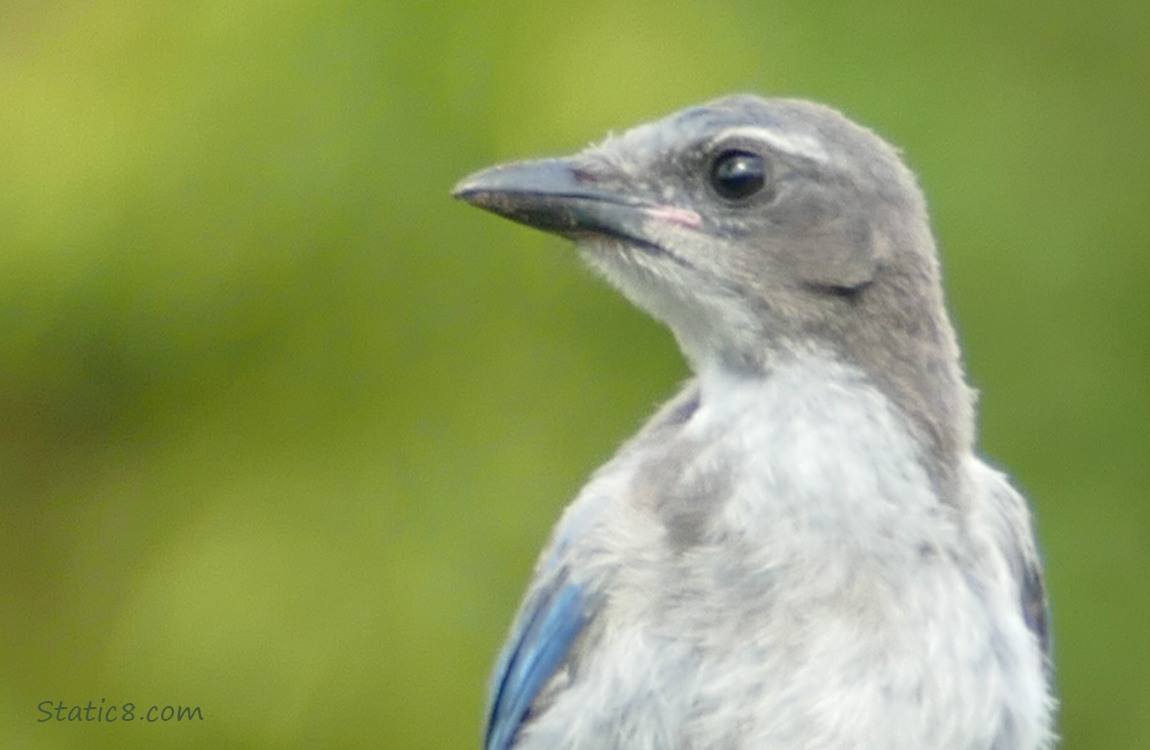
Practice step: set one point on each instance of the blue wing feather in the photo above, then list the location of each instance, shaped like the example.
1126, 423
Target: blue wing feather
549, 624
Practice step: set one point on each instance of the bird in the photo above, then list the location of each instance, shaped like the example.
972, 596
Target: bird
803, 547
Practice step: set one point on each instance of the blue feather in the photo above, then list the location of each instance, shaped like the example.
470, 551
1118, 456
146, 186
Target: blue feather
547, 627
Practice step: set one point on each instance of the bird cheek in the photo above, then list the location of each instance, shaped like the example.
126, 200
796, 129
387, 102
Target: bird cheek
839, 254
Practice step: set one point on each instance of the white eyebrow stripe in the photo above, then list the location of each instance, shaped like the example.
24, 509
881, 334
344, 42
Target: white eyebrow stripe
797, 145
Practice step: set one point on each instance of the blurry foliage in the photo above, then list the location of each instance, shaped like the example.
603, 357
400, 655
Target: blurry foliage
282, 427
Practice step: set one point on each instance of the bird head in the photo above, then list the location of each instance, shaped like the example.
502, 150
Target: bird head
757, 230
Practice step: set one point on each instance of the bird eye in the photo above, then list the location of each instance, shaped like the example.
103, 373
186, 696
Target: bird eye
736, 175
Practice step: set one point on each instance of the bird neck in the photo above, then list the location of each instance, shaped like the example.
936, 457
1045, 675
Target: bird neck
933, 407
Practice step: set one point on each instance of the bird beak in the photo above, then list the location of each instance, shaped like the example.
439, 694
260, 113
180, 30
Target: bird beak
556, 196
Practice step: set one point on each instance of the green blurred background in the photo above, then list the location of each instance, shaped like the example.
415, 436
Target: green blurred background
282, 426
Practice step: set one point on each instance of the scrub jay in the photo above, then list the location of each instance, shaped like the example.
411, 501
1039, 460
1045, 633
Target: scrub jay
800, 551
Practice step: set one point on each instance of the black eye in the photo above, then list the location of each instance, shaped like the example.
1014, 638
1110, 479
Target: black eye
736, 175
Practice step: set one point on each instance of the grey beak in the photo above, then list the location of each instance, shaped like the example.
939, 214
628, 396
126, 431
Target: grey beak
555, 196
